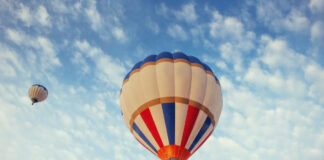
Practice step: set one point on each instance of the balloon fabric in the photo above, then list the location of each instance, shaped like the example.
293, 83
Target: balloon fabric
171, 103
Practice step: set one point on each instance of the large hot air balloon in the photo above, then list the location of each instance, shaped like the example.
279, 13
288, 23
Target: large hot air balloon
171, 103
37, 93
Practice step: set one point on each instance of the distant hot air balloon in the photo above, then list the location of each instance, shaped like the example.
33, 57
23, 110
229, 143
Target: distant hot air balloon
171, 103
37, 93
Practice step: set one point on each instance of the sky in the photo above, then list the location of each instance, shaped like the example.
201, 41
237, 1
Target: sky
268, 56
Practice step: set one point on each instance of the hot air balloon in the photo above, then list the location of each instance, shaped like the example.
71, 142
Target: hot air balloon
37, 93
171, 103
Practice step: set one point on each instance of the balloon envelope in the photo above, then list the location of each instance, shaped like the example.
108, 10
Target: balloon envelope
37, 93
171, 103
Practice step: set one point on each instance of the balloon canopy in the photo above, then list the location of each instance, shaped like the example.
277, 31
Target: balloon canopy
171, 103
37, 93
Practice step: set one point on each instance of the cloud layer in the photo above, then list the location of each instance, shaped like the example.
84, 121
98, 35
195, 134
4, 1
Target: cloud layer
267, 55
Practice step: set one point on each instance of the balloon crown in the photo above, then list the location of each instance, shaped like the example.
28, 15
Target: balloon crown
39, 85
168, 55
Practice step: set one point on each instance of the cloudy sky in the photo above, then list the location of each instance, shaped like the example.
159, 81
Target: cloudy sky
268, 55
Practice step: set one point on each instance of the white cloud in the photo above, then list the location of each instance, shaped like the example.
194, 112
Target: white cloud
226, 83
250, 110
94, 16
278, 17
109, 70
162, 10
177, 32
79, 59
198, 33
108, 26
276, 53
230, 29
234, 40
119, 34
59, 6
33, 18
227, 27
315, 75
284, 71
44, 47
275, 82
231, 54
234, 25
273, 105
296, 22
256, 114
43, 17
63, 10
153, 26
267, 11
219, 63
317, 32
187, 13
56, 130
222, 147
316, 6
83, 46
15, 36
10, 62
235, 96
24, 14
77, 6
5, 4
112, 70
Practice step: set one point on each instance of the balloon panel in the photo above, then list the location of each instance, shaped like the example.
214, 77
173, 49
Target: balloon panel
165, 78
180, 120
149, 83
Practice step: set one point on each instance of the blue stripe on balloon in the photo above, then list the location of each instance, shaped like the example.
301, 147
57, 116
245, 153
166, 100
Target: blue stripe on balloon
177, 55
180, 55
216, 78
140, 133
202, 131
206, 67
127, 75
150, 58
193, 59
39, 85
137, 65
164, 55
169, 118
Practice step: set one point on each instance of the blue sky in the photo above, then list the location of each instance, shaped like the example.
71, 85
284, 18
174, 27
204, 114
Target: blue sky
268, 56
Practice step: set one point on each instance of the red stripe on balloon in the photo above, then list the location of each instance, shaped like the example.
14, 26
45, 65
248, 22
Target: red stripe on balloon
202, 142
189, 124
148, 119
